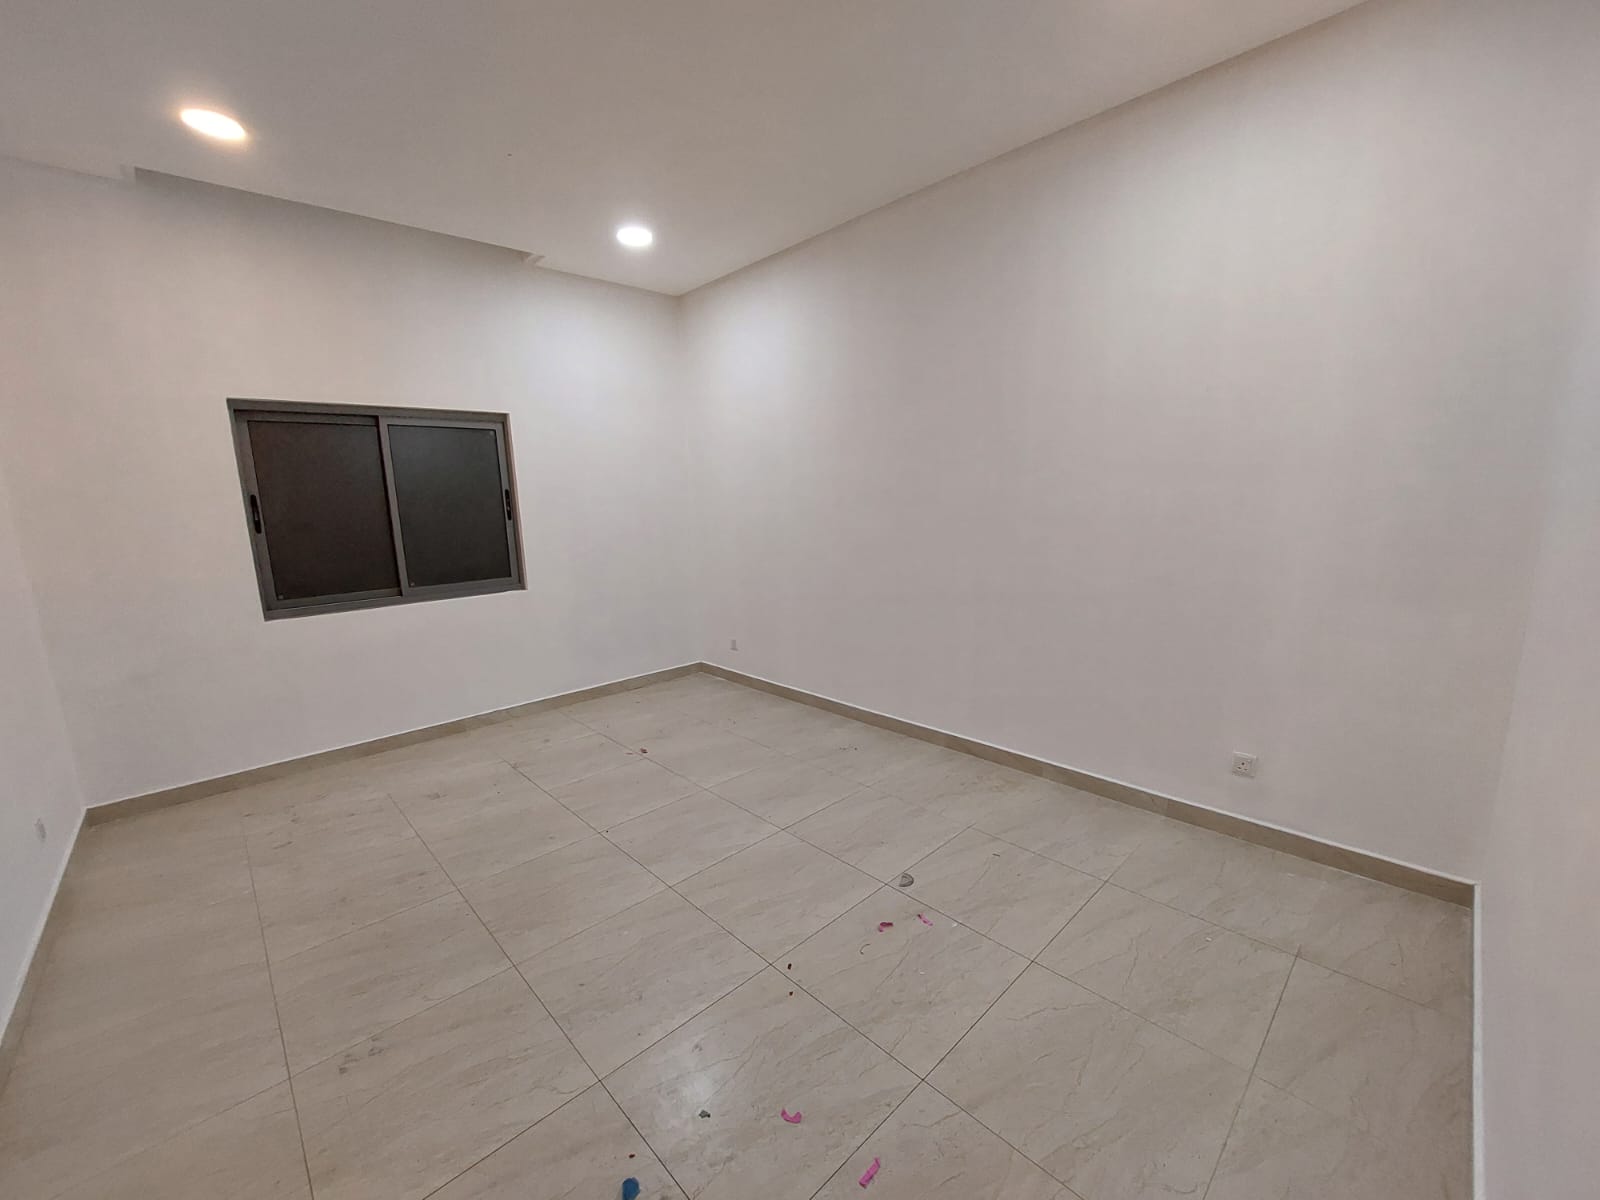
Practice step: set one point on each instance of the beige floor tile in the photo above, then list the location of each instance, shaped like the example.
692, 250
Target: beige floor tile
110, 967
526, 735
310, 892
1113, 1106
786, 791
202, 829
800, 731
745, 711
620, 985
709, 755
1414, 945
688, 835
961, 786
250, 1152
68, 1113
350, 988
563, 763
193, 854
1018, 898
744, 1059
635, 721
1215, 988
931, 1150
400, 1115
1261, 893
532, 907
486, 819
152, 1063
871, 754
428, 758
777, 893
598, 712
1088, 833
658, 701
1283, 1149
623, 793
582, 1151
1393, 1068
913, 989
155, 883
695, 685
322, 811
881, 834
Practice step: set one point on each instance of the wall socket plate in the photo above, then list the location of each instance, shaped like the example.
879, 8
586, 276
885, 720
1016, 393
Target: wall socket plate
1244, 764
733, 643
39, 831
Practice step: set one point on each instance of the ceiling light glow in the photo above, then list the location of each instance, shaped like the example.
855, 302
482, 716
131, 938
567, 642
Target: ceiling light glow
635, 237
213, 124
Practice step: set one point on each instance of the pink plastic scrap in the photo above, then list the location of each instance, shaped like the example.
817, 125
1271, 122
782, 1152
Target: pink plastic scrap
882, 925
792, 1118
924, 919
866, 1176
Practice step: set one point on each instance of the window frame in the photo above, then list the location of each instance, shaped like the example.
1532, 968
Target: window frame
242, 411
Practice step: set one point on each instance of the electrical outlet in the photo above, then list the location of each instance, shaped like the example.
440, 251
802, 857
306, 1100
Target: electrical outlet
733, 644
39, 830
1244, 764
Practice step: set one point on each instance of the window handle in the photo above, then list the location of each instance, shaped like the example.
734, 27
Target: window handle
255, 513
509, 517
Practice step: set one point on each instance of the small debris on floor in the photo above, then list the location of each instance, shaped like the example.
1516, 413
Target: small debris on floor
882, 925
924, 919
630, 1187
906, 880
868, 1174
630, 1156
792, 1118
704, 1114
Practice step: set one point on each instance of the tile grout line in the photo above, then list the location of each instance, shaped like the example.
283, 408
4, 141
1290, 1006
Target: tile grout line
1006, 1141
1032, 961
539, 1000
503, 1145
600, 1080
767, 964
227, 1108
401, 912
272, 986
860, 786
1222, 1148
799, 761
871, 1133
1298, 953
1344, 1120
174, 1136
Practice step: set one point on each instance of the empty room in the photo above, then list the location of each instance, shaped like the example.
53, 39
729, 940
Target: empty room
725, 599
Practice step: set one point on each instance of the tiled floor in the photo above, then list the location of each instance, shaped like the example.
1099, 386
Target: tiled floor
615, 939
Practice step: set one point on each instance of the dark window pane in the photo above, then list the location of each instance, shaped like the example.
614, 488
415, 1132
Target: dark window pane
452, 503
324, 508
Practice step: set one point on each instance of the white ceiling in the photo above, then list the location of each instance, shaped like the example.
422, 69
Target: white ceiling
734, 127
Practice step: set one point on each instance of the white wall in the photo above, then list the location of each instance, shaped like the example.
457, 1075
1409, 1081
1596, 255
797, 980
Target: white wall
1215, 423
1541, 893
130, 312
37, 780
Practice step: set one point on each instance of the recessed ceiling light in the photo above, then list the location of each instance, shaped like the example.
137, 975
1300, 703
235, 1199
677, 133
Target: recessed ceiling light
213, 124
635, 237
